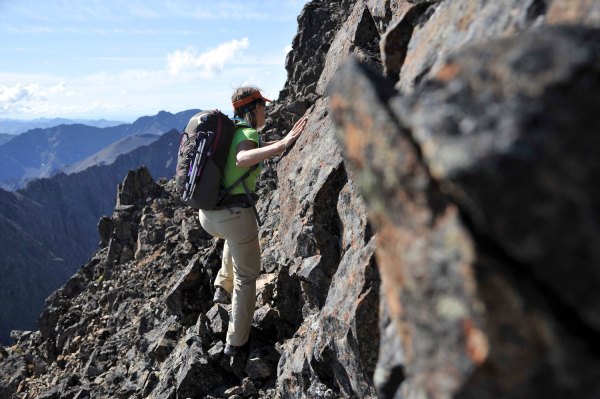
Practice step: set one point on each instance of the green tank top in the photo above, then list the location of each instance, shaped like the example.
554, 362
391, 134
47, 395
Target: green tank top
232, 172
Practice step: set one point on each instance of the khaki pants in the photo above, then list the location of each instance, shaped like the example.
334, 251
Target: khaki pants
240, 265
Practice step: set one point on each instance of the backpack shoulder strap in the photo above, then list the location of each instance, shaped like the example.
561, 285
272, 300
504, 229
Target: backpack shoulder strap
227, 190
249, 196
242, 180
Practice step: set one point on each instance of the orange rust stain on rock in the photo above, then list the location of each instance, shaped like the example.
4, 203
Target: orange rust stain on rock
448, 72
390, 263
568, 11
356, 141
337, 102
355, 138
477, 344
468, 16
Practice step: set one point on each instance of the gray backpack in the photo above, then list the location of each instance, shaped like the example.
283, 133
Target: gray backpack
203, 149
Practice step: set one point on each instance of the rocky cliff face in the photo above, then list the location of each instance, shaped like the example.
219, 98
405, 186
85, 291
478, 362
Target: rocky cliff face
465, 268
474, 156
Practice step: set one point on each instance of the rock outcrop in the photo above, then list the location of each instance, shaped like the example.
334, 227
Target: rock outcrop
474, 157
432, 234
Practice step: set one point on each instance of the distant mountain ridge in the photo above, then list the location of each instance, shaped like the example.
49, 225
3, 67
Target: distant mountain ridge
18, 126
49, 229
5, 137
109, 154
42, 152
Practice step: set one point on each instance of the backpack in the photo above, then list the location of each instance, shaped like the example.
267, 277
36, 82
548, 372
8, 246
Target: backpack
203, 149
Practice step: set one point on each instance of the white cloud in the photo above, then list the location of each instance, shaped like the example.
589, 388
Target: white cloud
124, 94
205, 64
20, 97
128, 93
9, 95
58, 88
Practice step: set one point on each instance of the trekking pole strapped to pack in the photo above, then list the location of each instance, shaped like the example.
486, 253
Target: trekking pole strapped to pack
195, 168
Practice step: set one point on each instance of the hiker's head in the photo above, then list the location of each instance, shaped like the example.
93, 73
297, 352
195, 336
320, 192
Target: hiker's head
249, 104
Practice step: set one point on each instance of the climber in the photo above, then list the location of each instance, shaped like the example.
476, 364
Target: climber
235, 221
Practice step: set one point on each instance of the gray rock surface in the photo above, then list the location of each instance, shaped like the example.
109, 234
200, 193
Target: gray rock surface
474, 168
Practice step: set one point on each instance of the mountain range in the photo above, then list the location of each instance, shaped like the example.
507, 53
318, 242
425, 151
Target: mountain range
49, 228
5, 137
43, 152
110, 153
17, 126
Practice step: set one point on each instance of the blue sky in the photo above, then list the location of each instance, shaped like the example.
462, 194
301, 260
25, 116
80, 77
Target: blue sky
121, 60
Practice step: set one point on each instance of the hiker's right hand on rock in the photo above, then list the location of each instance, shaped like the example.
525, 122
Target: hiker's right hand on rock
297, 129
291, 137
295, 132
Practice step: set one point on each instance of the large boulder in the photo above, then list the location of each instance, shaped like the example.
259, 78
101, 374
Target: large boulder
481, 192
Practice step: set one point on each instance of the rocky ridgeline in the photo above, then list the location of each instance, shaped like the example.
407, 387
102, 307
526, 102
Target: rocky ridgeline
137, 319
470, 129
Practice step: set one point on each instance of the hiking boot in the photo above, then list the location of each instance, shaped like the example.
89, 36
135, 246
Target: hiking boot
231, 350
221, 296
